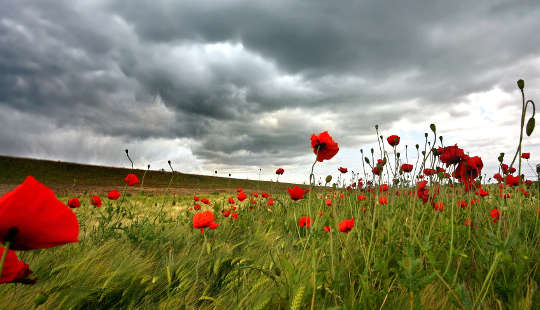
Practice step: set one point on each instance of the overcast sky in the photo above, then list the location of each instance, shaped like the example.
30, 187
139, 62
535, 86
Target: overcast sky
241, 85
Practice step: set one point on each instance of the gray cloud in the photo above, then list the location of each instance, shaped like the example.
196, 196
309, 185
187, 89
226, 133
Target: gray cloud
245, 83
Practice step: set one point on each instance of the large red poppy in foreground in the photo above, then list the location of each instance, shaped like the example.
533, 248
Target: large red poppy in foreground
14, 270
33, 218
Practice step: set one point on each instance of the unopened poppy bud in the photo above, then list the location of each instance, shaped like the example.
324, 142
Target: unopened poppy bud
501, 158
376, 127
417, 146
362, 151
425, 134
423, 152
169, 162
530, 126
440, 138
40, 299
372, 150
148, 166
328, 178
398, 155
433, 128
367, 160
127, 152
521, 84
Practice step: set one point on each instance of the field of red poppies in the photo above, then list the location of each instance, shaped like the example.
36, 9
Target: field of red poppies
419, 232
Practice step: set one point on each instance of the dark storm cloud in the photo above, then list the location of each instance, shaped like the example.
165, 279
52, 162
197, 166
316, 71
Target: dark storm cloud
247, 81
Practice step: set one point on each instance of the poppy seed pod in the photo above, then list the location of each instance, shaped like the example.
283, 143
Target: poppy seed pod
328, 178
521, 84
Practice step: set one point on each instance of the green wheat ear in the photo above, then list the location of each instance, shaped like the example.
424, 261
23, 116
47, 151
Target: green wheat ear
297, 300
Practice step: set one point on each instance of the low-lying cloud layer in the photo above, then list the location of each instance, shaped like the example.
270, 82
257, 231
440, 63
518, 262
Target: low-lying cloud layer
236, 86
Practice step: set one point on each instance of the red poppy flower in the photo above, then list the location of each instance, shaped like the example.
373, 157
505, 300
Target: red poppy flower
297, 193
270, 202
239, 189
342, 170
197, 206
498, 177
234, 215
468, 222
504, 168
393, 140
341, 195
383, 188
430, 172
32, 218
528, 182
512, 180
203, 219
468, 169
422, 192
406, 167
131, 179
346, 225
483, 193
383, 200
361, 197
450, 155
327, 228
113, 195
15, 270
196, 198
253, 201
265, 195
438, 206
233, 208
95, 201
512, 170
213, 225
304, 221
231, 201
376, 170
328, 202
324, 146
241, 196
255, 194
280, 171
205, 201
462, 204
495, 214
525, 155
74, 203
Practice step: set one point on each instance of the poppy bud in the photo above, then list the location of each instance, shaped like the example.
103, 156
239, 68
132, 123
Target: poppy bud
398, 155
127, 151
538, 169
417, 146
362, 151
148, 166
521, 84
372, 151
440, 138
433, 128
423, 152
501, 158
376, 127
367, 160
328, 178
530, 126
425, 134
169, 162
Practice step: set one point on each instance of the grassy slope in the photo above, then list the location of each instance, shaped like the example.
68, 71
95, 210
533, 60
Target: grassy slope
55, 173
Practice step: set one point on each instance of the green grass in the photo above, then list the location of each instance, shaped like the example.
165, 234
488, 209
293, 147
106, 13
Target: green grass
142, 253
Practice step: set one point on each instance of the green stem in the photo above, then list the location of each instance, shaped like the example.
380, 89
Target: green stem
4, 255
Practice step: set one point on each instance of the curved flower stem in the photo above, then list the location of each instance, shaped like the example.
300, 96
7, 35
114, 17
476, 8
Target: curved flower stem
523, 112
4, 255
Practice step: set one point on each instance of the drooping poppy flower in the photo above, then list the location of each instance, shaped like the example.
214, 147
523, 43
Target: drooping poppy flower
406, 167
451, 155
328, 202
393, 140
15, 270
74, 203
297, 193
342, 170
346, 225
32, 218
195, 198
113, 195
197, 206
525, 155
324, 146
280, 171
205, 201
304, 221
383, 200
241, 196
495, 214
131, 179
95, 201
